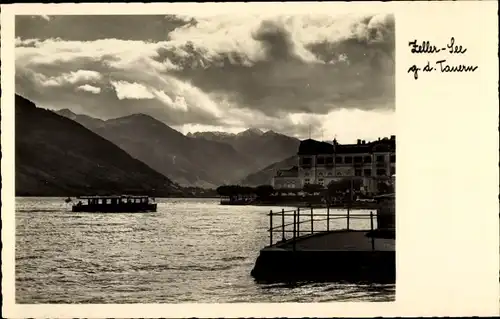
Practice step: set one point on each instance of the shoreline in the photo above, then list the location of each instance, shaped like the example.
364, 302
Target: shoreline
263, 204
66, 196
307, 205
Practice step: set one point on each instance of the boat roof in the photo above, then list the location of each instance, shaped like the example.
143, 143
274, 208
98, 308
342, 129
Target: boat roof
112, 196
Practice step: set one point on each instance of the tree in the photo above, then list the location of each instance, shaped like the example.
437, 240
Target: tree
223, 190
247, 190
295, 191
342, 187
228, 191
313, 188
237, 190
385, 187
264, 191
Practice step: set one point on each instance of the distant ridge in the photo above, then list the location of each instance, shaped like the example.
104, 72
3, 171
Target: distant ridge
206, 159
264, 148
56, 156
265, 176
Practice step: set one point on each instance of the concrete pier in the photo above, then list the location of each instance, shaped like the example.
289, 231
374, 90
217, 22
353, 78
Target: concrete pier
334, 255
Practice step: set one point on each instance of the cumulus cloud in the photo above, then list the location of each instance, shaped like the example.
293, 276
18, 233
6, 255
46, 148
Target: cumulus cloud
126, 90
89, 88
70, 78
93, 27
223, 71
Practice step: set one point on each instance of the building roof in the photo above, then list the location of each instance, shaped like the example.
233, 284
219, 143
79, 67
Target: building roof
313, 147
290, 172
352, 148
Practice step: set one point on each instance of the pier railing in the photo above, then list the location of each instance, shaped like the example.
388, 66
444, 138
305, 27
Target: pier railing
301, 222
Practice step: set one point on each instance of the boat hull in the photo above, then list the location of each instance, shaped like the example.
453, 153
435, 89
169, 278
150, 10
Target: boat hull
122, 208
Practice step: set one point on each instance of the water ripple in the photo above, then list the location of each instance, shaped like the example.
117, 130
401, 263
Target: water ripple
191, 250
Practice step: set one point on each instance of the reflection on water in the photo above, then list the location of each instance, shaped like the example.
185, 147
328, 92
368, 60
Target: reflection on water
191, 250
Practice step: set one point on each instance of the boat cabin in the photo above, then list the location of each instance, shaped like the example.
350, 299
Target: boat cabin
116, 203
115, 200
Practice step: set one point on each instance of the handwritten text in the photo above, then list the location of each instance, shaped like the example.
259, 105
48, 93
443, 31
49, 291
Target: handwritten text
441, 65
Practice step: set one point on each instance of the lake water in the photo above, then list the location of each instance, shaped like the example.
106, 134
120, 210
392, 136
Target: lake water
191, 250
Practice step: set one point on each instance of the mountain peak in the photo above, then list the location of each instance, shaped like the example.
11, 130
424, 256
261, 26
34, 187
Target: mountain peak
70, 158
66, 112
271, 132
251, 131
136, 117
208, 134
140, 116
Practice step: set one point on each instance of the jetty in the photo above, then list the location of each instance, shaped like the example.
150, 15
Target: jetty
320, 245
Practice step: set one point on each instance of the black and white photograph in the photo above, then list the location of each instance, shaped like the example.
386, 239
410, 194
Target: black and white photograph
221, 158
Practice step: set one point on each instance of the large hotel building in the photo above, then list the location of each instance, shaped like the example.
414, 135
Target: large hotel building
322, 162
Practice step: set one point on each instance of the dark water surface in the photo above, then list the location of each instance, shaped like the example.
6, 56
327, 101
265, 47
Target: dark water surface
191, 250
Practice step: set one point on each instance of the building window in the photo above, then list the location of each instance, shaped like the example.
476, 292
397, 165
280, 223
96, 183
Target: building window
321, 181
338, 159
339, 173
290, 185
320, 160
306, 161
348, 159
380, 172
393, 158
367, 159
358, 159
367, 172
393, 170
320, 174
329, 160
380, 158
306, 174
357, 172
306, 181
329, 174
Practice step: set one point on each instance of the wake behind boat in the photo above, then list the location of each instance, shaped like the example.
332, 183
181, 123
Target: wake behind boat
114, 204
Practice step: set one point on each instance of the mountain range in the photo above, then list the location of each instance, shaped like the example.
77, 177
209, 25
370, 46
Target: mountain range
263, 148
55, 156
265, 175
202, 159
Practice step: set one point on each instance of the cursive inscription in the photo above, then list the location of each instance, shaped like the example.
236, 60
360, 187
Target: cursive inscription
443, 67
427, 47
452, 47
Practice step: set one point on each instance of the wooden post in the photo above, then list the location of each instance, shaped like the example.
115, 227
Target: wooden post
298, 222
327, 218
371, 227
312, 221
349, 205
270, 228
371, 220
294, 228
352, 188
348, 217
283, 224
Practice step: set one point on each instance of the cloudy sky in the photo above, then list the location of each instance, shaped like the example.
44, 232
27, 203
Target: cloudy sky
334, 74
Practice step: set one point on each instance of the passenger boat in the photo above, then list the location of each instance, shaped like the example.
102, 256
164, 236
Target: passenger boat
114, 204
